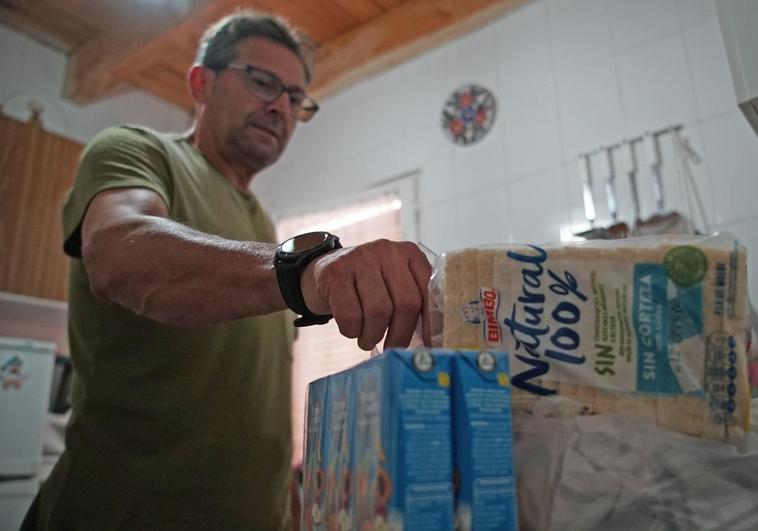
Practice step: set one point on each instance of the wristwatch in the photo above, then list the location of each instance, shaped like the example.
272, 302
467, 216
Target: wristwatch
290, 260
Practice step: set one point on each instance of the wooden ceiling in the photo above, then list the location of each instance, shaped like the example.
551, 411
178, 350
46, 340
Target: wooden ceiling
114, 44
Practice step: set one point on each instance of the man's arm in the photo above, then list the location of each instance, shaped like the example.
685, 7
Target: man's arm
165, 271
168, 272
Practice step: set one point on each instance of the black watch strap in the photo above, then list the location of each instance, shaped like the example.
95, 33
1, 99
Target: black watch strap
289, 285
290, 262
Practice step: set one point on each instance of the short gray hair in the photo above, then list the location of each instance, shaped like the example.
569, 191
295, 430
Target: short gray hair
218, 46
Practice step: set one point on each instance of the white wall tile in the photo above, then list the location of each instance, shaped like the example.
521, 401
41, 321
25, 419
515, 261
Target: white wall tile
295, 195
532, 132
694, 11
12, 45
385, 162
480, 165
731, 149
384, 108
747, 232
282, 194
590, 109
471, 59
711, 79
35, 77
432, 153
634, 23
291, 162
682, 193
178, 119
655, 85
344, 128
599, 173
43, 70
580, 32
268, 187
324, 134
537, 208
347, 177
679, 193
483, 217
307, 145
33, 71
574, 200
425, 89
523, 50
439, 227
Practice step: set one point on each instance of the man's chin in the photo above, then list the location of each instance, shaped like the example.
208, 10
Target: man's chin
260, 158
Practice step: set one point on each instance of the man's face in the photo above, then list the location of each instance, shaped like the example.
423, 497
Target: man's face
249, 130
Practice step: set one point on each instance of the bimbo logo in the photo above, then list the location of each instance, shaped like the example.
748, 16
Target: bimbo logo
490, 302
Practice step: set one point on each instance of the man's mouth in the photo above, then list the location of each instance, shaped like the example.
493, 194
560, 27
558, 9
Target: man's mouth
268, 130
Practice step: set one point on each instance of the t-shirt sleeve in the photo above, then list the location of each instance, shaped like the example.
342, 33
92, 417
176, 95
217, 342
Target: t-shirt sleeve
118, 157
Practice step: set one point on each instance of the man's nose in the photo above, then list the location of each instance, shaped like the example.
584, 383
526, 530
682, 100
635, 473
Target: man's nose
282, 105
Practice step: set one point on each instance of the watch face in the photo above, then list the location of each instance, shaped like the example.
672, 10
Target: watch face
304, 242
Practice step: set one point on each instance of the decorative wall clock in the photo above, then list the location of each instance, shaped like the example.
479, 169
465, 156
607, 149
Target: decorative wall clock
468, 114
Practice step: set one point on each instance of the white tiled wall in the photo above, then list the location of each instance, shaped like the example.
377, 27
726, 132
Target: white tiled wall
34, 72
568, 75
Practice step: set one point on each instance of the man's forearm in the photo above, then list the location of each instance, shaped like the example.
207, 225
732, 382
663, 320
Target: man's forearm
168, 272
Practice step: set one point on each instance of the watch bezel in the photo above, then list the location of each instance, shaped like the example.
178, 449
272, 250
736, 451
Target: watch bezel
325, 243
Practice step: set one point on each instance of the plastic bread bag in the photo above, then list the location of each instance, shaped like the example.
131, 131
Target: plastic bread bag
654, 327
607, 471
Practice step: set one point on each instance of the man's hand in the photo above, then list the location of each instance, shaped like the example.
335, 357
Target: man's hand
371, 289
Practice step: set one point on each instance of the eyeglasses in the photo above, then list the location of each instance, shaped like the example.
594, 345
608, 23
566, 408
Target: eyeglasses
269, 87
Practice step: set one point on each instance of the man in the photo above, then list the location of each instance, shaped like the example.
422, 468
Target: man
181, 349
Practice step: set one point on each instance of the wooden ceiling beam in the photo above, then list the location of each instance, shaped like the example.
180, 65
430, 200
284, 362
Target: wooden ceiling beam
405, 30
93, 69
401, 33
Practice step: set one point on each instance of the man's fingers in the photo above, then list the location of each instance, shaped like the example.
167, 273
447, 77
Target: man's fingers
376, 288
422, 271
377, 308
407, 303
346, 307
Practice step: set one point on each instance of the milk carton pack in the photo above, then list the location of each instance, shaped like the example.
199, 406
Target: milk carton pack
314, 486
403, 453
482, 442
338, 432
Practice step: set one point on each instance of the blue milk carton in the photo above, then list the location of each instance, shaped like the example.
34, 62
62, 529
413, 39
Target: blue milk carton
403, 447
339, 451
314, 458
483, 443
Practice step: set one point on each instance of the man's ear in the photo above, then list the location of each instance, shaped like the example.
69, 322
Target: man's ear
201, 80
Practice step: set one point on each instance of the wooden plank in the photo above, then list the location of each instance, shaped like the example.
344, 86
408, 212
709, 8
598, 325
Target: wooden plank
386, 5
401, 33
345, 56
93, 70
36, 169
152, 50
360, 10
164, 83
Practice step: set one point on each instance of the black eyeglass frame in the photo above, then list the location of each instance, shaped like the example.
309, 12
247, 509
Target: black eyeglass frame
308, 107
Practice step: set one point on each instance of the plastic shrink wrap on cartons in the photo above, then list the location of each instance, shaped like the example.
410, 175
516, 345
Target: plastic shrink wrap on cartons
314, 486
395, 450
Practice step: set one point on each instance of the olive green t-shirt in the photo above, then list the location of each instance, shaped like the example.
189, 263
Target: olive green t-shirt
173, 428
